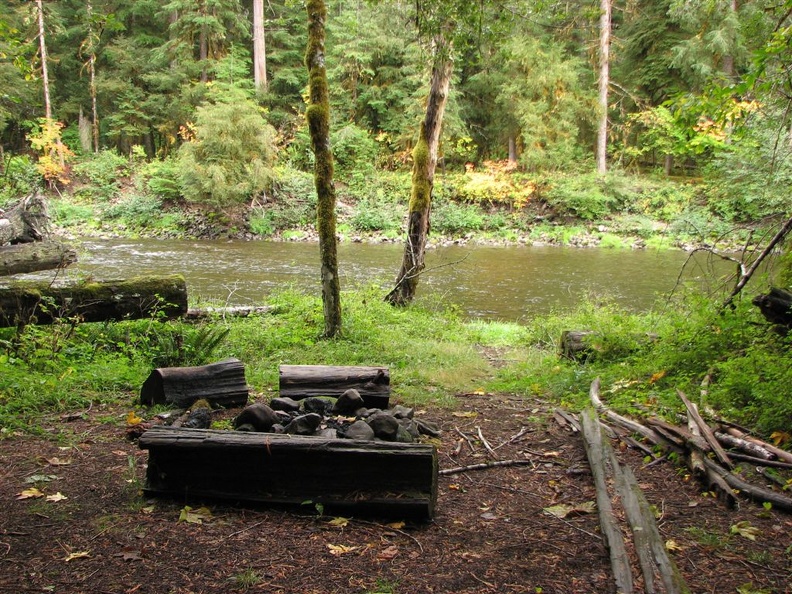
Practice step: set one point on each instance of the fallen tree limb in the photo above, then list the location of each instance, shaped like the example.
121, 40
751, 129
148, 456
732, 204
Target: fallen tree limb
750, 448
32, 257
26, 221
486, 466
760, 461
706, 432
233, 311
781, 454
602, 471
753, 492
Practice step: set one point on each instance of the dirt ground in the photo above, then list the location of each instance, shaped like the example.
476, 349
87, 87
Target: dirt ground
93, 532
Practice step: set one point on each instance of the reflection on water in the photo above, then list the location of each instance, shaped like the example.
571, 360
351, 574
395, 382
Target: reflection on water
505, 283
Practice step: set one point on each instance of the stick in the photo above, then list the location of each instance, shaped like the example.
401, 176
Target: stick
486, 443
468, 439
706, 432
782, 454
485, 466
514, 438
760, 461
749, 447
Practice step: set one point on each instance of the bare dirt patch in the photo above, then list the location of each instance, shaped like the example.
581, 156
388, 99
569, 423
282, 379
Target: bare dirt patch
491, 533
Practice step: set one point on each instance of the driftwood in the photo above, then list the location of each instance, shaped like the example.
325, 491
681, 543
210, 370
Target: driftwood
222, 384
302, 381
602, 471
377, 478
24, 303
31, 257
232, 311
25, 222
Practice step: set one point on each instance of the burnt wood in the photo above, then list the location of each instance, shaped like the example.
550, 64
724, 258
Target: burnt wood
221, 384
302, 381
26, 302
776, 306
382, 479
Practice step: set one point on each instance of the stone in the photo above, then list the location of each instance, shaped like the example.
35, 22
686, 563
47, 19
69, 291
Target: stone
360, 430
410, 426
384, 425
285, 418
315, 405
403, 435
347, 403
285, 404
200, 418
304, 424
427, 428
259, 415
402, 412
328, 433
246, 427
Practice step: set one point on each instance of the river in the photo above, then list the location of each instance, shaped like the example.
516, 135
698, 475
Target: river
494, 283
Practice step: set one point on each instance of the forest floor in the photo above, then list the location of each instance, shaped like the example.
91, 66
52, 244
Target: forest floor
92, 530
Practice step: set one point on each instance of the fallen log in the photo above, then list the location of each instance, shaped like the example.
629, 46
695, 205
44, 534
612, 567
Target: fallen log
750, 448
578, 345
706, 432
374, 478
779, 453
602, 471
776, 306
753, 492
231, 311
31, 257
25, 302
221, 384
26, 221
302, 381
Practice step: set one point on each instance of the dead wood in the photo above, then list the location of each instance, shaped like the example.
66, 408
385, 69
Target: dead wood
220, 384
233, 311
26, 221
750, 448
753, 492
760, 461
603, 472
486, 466
32, 257
781, 454
301, 381
706, 432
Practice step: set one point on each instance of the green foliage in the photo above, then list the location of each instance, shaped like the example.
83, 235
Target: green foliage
102, 173
162, 178
230, 158
585, 196
353, 148
19, 177
452, 218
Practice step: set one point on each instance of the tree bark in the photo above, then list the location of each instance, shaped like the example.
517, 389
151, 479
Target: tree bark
26, 221
24, 303
385, 479
318, 116
43, 52
604, 82
259, 47
302, 381
424, 165
31, 257
776, 306
222, 383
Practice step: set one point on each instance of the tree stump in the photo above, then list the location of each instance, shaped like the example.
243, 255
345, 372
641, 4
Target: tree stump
394, 480
578, 344
302, 381
222, 384
776, 306
25, 222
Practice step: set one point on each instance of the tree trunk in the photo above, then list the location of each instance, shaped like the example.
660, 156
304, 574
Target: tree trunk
43, 52
512, 150
604, 81
92, 78
24, 303
318, 116
424, 165
302, 381
31, 257
385, 479
222, 383
259, 47
25, 222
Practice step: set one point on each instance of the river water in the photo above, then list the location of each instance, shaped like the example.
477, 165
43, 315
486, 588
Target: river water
494, 283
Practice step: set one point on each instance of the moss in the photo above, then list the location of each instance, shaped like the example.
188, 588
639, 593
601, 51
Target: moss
421, 183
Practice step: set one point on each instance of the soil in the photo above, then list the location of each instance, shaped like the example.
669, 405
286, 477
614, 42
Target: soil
491, 533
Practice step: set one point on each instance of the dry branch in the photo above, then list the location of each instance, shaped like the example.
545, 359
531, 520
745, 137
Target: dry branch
706, 432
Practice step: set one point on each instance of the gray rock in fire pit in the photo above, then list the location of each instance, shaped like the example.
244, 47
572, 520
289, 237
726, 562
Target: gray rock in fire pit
402, 412
384, 425
348, 403
285, 404
360, 430
304, 424
315, 405
260, 416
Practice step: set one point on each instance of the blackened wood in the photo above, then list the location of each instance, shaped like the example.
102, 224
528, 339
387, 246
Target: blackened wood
302, 381
26, 302
776, 306
361, 477
31, 257
26, 221
221, 384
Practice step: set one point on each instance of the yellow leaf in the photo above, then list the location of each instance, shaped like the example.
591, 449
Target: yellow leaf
338, 550
745, 530
465, 414
657, 376
780, 437
388, 553
195, 516
78, 555
672, 546
479, 392
31, 493
132, 419
58, 462
57, 497
396, 525
339, 522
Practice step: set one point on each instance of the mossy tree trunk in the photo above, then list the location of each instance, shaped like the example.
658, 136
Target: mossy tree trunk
318, 116
424, 164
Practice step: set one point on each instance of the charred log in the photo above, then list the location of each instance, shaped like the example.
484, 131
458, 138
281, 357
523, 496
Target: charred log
221, 384
302, 381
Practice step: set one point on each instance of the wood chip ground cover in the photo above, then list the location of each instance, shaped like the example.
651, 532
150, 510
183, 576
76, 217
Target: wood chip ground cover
493, 532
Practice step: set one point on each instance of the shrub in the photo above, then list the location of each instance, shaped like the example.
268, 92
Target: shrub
101, 173
450, 218
163, 179
353, 148
582, 196
19, 178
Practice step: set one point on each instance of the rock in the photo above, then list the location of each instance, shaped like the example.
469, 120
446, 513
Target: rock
427, 428
259, 415
246, 427
315, 405
360, 430
410, 426
285, 404
347, 403
362, 413
328, 432
384, 425
198, 419
278, 428
284, 418
402, 412
403, 435
304, 424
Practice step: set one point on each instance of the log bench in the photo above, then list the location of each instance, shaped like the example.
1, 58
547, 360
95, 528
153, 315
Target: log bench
382, 479
301, 381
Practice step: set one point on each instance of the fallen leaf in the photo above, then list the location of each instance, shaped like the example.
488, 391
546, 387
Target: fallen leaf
339, 550
58, 462
31, 493
672, 546
479, 392
564, 511
78, 555
41, 478
195, 516
148, 509
388, 553
745, 530
780, 437
465, 414
129, 555
489, 516
132, 419
57, 497
339, 522
657, 376
396, 525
